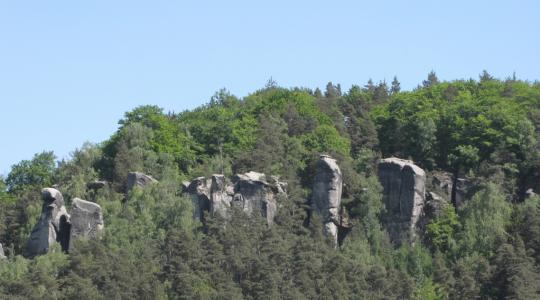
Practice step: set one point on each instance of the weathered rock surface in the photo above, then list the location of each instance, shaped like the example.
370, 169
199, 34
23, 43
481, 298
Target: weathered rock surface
403, 196
2, 254
138, 179
326, 195
221, 195
53, 225
97, 184
529, 193
249, 192
435, 206
458, 193
253, 193
199, 189
86, 220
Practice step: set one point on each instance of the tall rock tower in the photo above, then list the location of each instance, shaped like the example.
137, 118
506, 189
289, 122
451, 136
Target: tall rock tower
326, 196
404, 197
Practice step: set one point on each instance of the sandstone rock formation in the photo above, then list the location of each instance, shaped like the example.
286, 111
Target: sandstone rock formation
97, 184
199, 189
86, 220
53, 225
249, 192
2, 255
326, 196
253, 193
56, 225
403, 196
138, 179
221, 195
458, 191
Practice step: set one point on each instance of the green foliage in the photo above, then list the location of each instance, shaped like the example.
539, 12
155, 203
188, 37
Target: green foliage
484, 221
31, 173
441, 231
152, 248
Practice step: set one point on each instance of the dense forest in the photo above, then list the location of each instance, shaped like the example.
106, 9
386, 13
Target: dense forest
484, 132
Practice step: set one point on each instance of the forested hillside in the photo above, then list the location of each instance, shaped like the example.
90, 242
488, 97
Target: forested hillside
482, 241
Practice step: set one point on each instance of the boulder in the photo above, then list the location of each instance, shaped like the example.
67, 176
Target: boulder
404, 196
138, 179
86, 220
326, 195
53, 225
97, 184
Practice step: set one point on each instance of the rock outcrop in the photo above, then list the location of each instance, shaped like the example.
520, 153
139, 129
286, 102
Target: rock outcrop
53, 225
458, 191
249, 192
221, 195
253, 193
97, 184
86, 220
56, 225
326, 195
199, 189
138, 179
2, 254
404, 197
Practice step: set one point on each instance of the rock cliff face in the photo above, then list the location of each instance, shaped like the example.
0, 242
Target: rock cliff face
250, 192
326, 195
404, 197
86, 220
56, 225
53, 225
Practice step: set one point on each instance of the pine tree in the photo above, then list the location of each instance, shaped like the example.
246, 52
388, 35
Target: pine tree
431, 80
396, 86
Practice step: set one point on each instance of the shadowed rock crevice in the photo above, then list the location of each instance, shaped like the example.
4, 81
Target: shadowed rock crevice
55, 225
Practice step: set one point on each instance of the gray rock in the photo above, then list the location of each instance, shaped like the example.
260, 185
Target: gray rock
254, 194
97, 184
86, 220
404, 197
199, 189
250, 192
326, 195
2, 255
53, 225
443, 182
435, 206
185, 185
138, 179
529, 193
221, 195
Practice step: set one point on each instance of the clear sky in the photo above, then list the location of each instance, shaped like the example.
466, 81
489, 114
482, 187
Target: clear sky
70, 69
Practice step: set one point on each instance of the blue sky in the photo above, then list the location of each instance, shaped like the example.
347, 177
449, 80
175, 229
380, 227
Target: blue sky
70, 69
